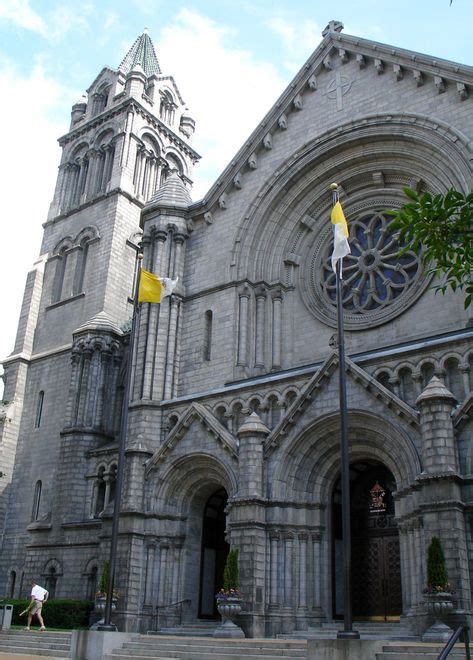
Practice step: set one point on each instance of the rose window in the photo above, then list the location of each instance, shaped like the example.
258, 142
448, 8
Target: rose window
379, 279
375, 273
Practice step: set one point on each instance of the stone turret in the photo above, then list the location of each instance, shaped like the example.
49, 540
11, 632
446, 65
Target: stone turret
438, 448
251, 435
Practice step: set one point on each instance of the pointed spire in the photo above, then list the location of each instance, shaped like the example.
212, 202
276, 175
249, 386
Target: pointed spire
172, 193
142, 52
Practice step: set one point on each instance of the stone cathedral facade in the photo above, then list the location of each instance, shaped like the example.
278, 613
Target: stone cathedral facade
233, 434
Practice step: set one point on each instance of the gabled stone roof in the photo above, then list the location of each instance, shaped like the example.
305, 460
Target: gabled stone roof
172, 194
194, 411
387, 60
142, 52
317, 382
101, 322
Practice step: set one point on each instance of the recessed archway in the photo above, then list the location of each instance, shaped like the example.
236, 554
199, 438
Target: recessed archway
376, 573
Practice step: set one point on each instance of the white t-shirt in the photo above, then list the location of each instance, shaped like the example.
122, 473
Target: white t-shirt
38, 593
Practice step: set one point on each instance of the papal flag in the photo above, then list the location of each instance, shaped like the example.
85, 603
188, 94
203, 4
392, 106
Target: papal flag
341, 246
153, 288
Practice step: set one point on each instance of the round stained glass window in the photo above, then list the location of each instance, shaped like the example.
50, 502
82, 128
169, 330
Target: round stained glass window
380, 280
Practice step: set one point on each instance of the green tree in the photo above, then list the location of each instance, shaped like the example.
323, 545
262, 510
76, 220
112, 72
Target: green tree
443, 226
437, 577
231, 573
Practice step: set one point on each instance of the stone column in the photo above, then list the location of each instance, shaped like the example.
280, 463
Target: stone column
274, 570
149, 581
260, 327
276, 329
72, 400
302, 570
84, 386
243, 303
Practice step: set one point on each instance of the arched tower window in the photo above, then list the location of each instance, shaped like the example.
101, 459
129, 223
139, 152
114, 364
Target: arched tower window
454, 379
99, 492
39, 409
36, 500
208, 317
80, 266
167, 107
58, 285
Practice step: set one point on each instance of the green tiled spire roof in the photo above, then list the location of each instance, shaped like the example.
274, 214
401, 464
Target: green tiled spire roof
141, 52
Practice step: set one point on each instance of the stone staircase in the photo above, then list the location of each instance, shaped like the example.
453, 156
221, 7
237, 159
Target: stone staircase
418, 651
51, 644
373, 630
162, 647
194, 629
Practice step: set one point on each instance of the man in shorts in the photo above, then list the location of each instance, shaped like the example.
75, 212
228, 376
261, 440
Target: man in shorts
38, 597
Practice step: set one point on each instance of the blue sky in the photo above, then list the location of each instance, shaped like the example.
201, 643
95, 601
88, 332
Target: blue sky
230, 60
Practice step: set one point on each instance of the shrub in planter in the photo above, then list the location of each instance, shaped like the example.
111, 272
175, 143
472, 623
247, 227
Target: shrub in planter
437, 576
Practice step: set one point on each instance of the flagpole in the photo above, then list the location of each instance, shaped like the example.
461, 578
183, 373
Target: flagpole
347, 632
107, 624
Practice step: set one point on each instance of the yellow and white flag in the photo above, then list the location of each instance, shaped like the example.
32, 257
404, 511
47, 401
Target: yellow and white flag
153, 288
341, 246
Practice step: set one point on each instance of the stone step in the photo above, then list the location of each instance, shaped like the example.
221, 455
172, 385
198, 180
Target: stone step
211, 650
191, 655
21, 650
151, 640
419, 651
208, 649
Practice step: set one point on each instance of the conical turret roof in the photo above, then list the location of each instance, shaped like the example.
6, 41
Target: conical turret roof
172, 193
142, 52
101, 322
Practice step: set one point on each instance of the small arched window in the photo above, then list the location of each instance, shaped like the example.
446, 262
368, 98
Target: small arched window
80, 267
39, 409
36, 500
51, 581
91, 583
59, 276
208, 318
99, 492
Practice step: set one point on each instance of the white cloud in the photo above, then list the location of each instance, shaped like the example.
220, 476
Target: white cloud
227, 89
299, 39
28, 171
20, 13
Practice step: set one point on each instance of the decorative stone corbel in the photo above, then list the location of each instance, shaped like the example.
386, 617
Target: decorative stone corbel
237, 181
222, 201
398, 72
343, 55
208, 217
253, 161
418, 77
462, 91
282, 122
361, 61
378, 65
297, 102
268, 141
328, 63
439, 84
312, 83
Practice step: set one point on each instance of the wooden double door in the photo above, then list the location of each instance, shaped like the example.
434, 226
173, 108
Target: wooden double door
376, 566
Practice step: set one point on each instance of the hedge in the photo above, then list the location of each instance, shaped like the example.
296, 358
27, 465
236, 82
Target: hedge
56, 613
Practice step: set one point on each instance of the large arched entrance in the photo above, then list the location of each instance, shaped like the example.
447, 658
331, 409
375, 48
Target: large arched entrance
376, 576
214, 553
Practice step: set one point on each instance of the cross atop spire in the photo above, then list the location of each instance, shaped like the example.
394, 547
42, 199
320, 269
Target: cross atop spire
142, 52
333, 26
